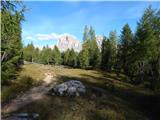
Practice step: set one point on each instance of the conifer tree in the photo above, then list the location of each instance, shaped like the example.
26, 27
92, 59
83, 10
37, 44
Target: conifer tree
126, 40
29, 52
95, 61
72, 58
104, 56
113, 49
86, 33
145, 56
46, 55
56, 56
84, 59
11, 44
66, 57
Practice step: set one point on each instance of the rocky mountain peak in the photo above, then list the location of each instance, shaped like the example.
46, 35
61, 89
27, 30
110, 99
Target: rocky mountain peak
68, 42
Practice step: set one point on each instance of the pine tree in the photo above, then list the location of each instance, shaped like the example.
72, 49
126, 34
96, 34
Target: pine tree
36, 55
85, 34
72, 58
104, 56
29, 52
95, 62
86, 51
56, 56
94, 52
113, 49
84, 59
66, 57
108, 53
125, 48
146, 47
11, 44
46, 55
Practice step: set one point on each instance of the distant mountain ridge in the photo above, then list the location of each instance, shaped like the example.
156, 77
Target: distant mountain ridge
68, 42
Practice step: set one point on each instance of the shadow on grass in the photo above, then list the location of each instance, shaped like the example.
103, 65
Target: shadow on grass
148, 104
17, 87
83, 107
103, 101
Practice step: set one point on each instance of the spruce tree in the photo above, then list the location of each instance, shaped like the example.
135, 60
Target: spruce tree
126, 39
46, 55
29, 52
94, 52
85, 34
104, 56
56, 56
113, 49
66, 57
95, 61
146, 47
84, 59
11, 44
72, 58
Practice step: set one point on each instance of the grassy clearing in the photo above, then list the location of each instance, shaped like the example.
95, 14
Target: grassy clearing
35, 71
108, 97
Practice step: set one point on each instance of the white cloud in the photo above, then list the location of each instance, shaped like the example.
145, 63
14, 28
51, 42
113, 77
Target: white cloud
44, 37
30, 38
52, 36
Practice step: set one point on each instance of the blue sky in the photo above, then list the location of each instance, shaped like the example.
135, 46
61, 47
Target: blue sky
46, 21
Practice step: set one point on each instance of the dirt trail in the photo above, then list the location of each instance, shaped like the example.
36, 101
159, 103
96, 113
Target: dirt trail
33, 94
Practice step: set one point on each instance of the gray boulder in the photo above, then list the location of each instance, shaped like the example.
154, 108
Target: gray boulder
69, 88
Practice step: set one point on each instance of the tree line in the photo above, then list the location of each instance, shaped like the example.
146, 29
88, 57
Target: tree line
137, 55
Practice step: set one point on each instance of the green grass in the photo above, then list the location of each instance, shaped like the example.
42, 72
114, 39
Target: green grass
30, 75
35, 71
108, 97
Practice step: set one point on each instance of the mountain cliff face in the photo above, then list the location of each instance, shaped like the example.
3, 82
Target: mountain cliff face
70, 42
99, 39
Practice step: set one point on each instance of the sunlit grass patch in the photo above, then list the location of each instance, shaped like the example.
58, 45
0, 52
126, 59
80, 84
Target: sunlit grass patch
29, 76
35, 71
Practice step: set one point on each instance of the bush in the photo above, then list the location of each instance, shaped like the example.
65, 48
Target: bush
27, 81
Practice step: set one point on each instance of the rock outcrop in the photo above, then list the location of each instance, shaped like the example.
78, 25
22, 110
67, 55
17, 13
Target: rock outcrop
99, 39
69, 88
69, 42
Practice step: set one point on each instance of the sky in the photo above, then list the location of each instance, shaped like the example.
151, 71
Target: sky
46, 21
